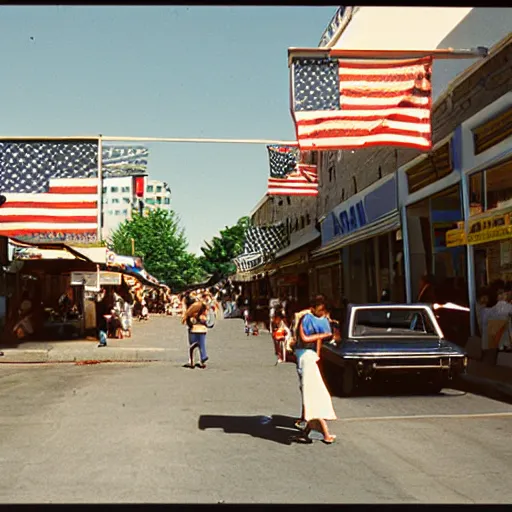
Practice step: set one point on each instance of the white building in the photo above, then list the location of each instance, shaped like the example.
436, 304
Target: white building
157, 195
420, 28
120, 199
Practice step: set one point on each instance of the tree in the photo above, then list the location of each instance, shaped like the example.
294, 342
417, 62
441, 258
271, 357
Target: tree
219, 253
162, 245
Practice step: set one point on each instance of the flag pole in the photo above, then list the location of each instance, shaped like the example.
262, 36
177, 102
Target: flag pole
120, 138
340, 53
100, 186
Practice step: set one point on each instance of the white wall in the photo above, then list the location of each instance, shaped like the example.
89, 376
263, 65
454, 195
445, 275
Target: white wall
427, 28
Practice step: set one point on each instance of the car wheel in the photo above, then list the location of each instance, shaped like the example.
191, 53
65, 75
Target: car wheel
349, 381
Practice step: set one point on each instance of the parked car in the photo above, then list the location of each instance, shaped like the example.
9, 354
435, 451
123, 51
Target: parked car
392, 341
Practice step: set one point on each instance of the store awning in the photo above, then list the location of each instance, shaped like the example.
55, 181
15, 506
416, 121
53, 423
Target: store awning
46, 251
298, 240
390, 222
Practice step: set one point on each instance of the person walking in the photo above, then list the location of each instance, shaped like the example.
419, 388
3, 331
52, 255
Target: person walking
196, 318
311, 328
280, 334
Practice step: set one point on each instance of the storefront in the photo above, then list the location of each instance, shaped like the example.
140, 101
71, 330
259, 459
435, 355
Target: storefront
485, 232
365, 232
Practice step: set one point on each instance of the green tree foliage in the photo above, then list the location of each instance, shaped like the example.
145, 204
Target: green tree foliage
162, 245
220, 251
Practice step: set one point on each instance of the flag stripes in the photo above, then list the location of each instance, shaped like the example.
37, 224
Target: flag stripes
340, 104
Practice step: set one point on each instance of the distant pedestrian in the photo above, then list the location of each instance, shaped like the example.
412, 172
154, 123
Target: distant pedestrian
280, 334
102, 314
196, 318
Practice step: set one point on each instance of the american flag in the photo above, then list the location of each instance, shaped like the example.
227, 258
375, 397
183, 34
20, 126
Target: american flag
124, 160
51, 189
288, 177
340, 104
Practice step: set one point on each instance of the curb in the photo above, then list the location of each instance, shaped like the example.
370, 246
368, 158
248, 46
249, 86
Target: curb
106, 354
487, 387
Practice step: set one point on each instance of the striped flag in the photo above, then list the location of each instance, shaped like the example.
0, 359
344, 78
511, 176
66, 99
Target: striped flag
287, 176
51, 189
340, 104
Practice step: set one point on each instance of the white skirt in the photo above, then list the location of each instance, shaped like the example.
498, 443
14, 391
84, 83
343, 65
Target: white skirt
315, 396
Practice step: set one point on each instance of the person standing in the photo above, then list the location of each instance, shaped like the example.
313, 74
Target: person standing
312, 328
196, 317
102, 311
280, 334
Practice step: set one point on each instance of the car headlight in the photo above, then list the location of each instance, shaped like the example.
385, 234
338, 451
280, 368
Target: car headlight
465, 362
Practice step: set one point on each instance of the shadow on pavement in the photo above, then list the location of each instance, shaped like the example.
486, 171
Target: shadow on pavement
279, 429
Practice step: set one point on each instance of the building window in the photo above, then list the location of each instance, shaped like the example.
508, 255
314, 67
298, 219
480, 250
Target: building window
114, 189
126, 200
150, 201
149, 188
115, 200
105, 200
167, 201
158, 200
498, 186
125, 212
110, 212
104, 190
158, 189
118, 212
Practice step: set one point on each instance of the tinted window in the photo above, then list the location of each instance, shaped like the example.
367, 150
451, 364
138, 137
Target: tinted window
393, 322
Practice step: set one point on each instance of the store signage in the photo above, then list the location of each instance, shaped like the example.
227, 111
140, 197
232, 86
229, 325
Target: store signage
346, 221
361, 209
90, 279
489, 228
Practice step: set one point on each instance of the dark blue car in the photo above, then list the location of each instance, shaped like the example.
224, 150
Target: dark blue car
392, 340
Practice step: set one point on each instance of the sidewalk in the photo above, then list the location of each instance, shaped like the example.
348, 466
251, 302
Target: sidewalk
489, 380
161, 338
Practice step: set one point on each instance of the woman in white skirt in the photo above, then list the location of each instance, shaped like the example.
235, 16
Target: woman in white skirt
312, 328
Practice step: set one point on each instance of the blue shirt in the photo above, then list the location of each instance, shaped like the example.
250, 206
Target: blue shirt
312, 324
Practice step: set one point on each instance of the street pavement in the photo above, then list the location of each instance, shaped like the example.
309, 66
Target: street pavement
161, 433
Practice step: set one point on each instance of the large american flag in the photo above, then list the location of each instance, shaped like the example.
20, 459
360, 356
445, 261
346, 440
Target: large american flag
340, 104
288, 177
51, 189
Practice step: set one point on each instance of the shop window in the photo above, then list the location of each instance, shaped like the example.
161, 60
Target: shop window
427, 224
499, 186
476, 193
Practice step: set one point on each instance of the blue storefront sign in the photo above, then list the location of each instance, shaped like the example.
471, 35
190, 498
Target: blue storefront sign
360, 210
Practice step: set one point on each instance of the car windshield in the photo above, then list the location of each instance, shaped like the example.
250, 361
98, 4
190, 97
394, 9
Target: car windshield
392, 322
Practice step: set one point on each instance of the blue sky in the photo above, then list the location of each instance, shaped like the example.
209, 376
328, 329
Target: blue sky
213, 72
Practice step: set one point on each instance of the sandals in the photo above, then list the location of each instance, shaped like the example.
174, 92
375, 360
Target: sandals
301, 424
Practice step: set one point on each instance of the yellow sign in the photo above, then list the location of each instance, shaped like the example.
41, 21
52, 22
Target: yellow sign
490, 228
455, 237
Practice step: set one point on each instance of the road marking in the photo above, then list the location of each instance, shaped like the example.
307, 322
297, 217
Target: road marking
430, 416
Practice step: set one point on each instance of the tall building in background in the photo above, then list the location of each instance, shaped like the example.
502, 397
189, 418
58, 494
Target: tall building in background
158, 195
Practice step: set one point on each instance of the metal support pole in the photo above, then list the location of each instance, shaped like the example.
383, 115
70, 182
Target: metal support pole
100, 188
407, 255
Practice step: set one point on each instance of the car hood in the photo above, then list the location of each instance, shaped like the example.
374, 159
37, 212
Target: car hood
412, 346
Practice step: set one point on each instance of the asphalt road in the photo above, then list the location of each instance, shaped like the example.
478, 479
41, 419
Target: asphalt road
158, 432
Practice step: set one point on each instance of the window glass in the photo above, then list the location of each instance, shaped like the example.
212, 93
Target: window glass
150, 201
149, 188
115, 200
499, 185
167, 200
126, 200
158, 189
114, 189
158, 200
125, 189
104, 190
